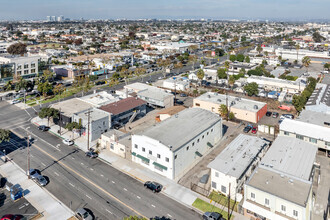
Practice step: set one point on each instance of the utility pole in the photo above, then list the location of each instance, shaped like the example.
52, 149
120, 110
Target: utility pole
88, 113
60, 124
229, 203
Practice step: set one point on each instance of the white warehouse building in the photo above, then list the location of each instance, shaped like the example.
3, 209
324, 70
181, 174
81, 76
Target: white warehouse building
176, 144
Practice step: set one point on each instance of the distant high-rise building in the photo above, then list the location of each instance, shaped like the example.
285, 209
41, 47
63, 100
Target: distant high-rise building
48, 18
53, 18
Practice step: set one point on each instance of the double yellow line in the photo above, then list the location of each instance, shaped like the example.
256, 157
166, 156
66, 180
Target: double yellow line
87, 180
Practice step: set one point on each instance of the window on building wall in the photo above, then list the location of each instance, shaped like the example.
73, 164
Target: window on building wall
253, 196
283, 208
212, 130
223, 189
167, 159
295, 213
158, 168
19, 67
197, 140
286, 133
26, 71
216, 174
203, 137
143, 149
214, 185
298, 136
33, 70
33, 65
193, 144
207, 133
327, 144
150, 152
266, 201
187, 147
136, 146
197, 104
158, 155
176, 156
111, 146
26, 66
313, 140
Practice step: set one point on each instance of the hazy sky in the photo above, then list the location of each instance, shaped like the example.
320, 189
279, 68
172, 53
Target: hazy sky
131, 9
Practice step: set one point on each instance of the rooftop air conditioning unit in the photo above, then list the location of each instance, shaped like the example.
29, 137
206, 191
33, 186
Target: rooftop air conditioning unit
255, 107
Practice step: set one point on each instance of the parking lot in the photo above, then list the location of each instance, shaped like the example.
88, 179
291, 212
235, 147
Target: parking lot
17, 207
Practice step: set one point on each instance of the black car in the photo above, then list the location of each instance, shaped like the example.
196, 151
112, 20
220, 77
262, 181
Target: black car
91, 154
212, 216
155, 187
268, 114
275, 114
247, 129
100, 83
43, 128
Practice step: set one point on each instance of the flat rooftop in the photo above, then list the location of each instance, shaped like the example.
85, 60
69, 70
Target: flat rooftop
238, 155
179, 129
95, 114
268, 80
316, 118
234, 102
100, 98
154, 93
306, 129
123, 105
172, 110
71, 106
286, 187
291, 156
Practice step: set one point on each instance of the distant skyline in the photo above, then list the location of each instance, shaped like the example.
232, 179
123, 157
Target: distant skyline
166, 9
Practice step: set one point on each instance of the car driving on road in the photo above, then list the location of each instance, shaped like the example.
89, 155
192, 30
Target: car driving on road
153, 186
34, 173
83, 214
43, 128
68, 142
41, 180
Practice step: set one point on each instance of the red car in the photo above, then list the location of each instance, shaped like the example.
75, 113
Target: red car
254, 130
12, 217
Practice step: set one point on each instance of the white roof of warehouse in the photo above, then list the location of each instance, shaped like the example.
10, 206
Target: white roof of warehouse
291, 156
238, 155
306, 129
181, 128
234, 102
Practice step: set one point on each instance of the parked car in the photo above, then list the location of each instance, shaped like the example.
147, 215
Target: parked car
83, 214
183, 95
34, 173
290, 116
254, 130
275, 115
154, 186
247, 129
280, 121
41, 180
68, 142
9, 94
268, 114
43, 128
12, 217
91, 154
212, 216
100, 83
15, 101
179, 102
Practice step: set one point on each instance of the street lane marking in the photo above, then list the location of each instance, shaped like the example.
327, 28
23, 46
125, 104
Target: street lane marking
21, 207
169, 215
56, 174
88, 197
55, 147
138, 197
113, 181
153, 205
43, 164
82, 163
87, 180
125, 189
72, 158
102, 175
92, 169
71, 184
108, 211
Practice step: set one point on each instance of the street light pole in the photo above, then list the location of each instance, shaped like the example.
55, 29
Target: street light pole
88, 113
28, 153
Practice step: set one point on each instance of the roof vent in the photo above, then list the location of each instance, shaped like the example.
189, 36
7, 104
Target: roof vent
291, 181
208, 96
282, 175
255, 107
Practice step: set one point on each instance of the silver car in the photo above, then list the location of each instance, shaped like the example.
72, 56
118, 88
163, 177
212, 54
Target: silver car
34, 173
41, 180
83, 214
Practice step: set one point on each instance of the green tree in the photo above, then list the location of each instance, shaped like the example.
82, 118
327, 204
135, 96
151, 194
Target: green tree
17, 49
240, 57
4, 135
124, 73
219, 52
223, 111
247, 59
317, 37
259, 49
58, 89
306, 62
200, 74
298, 102
232, 58
164, 63
134, 218
193, 59
72, 126
326, 66
139, 72
48, 113
231, 80
297, 48
251, 89
44, 88
21, 84
222, 73
231, 116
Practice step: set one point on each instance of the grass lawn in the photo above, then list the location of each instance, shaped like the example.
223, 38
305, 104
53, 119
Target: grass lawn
223, 200
207, 207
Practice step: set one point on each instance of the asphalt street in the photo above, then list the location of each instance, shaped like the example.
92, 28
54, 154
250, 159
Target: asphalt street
79, 181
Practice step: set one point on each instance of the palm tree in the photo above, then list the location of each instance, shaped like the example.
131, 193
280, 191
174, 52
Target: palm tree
306, 62
139, 72
124, 73
259, 49
193, 59
231, 80
297, 48
223, 111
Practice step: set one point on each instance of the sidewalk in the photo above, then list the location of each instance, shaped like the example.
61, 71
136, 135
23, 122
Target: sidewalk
170, 188
40, 198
